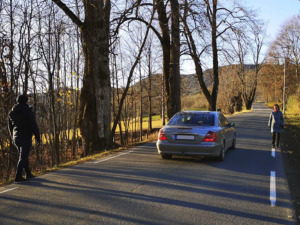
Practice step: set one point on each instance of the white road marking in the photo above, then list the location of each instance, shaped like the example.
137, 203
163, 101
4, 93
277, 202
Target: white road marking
273, 188
8, 190
113, 157
273, 152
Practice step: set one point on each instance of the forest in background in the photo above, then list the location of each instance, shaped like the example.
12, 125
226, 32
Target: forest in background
132, 69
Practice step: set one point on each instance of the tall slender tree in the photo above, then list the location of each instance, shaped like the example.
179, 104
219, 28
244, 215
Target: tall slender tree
170, 42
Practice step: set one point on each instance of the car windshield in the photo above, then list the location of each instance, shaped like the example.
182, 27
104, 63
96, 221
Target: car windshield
193, 119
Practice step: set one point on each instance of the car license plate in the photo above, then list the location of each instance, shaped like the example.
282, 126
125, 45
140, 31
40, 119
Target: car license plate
185, 137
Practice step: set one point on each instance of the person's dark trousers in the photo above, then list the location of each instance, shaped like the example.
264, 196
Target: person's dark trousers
24, 147
275, 136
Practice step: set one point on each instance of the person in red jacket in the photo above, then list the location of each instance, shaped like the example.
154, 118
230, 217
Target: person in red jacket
22, 125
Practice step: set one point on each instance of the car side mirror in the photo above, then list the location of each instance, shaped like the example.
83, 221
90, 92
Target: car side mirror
232, 124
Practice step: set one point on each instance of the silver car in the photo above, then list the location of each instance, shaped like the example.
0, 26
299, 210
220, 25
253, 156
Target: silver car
196, 133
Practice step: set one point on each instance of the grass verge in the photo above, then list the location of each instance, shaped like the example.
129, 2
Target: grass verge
290, 146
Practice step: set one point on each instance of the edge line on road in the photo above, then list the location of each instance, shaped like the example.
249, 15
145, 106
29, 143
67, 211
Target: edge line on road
113, 157
11, 189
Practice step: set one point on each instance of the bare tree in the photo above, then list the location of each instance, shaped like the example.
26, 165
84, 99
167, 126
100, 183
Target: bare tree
169, 38
50, 50
131, 73
207, 23
95, 100
285, 51
290, 43
245, 45
257, 42
170, 41
149, 54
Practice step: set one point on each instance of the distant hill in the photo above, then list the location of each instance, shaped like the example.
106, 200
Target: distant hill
189, 83
189, 86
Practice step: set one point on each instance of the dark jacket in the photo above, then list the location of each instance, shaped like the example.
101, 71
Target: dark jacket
22, 123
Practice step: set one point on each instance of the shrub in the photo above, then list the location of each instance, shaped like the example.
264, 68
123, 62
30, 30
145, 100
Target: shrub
293, 105
194, 102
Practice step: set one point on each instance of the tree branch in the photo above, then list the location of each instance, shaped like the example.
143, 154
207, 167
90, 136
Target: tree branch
130, 76
143, 21
69, 13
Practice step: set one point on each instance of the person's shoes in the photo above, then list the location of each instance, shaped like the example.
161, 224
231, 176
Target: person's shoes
19, 180
273, 146
30, 176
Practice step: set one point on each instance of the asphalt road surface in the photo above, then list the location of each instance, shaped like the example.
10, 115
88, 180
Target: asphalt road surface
138, 187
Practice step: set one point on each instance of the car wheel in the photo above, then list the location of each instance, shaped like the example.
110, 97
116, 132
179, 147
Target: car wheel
233, 142
222, 153
166, 156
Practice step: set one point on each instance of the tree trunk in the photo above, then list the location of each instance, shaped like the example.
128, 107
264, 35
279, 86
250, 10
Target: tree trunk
163, 118
198, 67
247, 102
171, 55
141, 104
214, 95
149, 92
173, 98
95, 105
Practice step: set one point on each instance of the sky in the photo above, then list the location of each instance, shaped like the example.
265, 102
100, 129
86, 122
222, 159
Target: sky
274, 12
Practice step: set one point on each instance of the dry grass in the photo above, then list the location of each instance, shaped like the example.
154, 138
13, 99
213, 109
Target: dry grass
136, 126
291, 155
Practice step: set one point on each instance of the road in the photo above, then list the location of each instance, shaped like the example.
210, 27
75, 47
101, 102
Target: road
138, 187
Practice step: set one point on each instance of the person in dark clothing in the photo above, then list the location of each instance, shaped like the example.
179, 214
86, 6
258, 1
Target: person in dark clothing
22, 125
276, 123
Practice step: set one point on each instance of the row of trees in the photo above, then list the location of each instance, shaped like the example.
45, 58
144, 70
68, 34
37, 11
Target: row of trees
45, 45
81, 62
40, 55
283, 57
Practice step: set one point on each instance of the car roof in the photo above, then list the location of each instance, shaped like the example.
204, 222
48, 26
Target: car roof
199, 112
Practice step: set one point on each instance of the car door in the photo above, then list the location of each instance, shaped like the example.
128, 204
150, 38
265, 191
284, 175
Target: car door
228, 131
